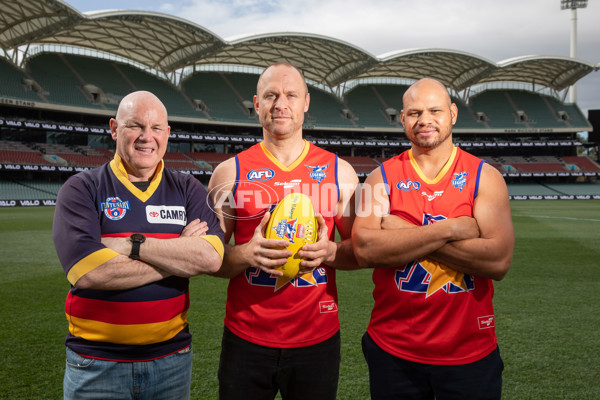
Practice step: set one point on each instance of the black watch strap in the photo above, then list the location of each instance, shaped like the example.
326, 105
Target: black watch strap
136, 240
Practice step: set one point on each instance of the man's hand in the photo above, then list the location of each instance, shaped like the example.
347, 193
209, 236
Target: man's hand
195, 228
460, 228
317, 253
266, 254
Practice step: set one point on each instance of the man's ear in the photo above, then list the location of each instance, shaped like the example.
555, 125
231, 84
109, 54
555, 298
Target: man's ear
113, 128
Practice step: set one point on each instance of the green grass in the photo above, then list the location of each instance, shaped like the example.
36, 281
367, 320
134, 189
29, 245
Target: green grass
547, 308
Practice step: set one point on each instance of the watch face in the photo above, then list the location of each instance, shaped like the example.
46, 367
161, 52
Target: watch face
137, 237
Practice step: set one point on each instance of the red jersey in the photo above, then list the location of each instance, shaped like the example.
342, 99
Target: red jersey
264, 309
424, 311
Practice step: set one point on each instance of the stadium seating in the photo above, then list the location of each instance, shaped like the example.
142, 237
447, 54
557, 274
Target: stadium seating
583, 163
362, 165
466, 119
227, 96
367, 106
553, 189
529, 189
243, 85
326, 110
173, 98
213, 159
539, 112
102, 74
572, 114
583, 188
181, 165
62, 84
221, 101
28, 190
12, 83
22, 157
497, 107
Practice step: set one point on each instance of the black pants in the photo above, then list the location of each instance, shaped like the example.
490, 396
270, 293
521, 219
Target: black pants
391, 377
253, 372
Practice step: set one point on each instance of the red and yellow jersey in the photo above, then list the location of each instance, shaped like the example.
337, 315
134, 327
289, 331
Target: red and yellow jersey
424, 311
265, 309
141, 323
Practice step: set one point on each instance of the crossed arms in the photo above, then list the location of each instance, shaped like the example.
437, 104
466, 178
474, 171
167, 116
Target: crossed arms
482, 245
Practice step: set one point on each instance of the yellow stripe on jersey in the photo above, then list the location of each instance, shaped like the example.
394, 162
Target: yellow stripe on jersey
440, 175
90, 262
216, 243
118, 169
139, 334
279, 164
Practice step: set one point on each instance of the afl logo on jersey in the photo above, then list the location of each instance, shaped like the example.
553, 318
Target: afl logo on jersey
114, 208
408, 185
260, 174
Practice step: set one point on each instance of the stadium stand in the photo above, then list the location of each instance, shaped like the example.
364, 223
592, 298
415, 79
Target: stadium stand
362, 165
211, 92
141, 80
553, 189
496, 105
108, 84
212, 159
368, 107
326, 111
28, 190
583, 163
55, 99
16, 83
18, 153
61, 84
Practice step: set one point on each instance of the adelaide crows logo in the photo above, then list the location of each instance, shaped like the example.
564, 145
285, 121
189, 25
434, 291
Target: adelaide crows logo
318, 172
286, 230
114, 208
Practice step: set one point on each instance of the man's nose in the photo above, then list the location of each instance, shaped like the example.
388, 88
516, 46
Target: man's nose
145, 132
424, 118
281, 102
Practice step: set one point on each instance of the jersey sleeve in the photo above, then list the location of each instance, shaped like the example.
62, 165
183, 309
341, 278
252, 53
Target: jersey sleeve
200, 206
76, 230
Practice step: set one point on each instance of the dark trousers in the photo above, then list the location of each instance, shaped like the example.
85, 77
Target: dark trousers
391, 377
253, 372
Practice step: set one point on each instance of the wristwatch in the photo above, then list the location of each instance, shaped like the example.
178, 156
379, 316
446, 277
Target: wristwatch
136, 240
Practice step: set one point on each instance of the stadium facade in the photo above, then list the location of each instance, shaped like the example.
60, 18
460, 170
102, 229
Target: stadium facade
63, 74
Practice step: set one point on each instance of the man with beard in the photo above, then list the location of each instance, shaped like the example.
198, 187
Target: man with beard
435, 225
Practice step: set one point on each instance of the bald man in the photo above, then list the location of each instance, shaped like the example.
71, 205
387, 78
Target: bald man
129, 235
435, 224
282, 335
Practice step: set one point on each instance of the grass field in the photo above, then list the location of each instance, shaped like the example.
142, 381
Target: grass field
547, 309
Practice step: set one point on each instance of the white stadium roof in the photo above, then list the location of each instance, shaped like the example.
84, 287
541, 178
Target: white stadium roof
167, 44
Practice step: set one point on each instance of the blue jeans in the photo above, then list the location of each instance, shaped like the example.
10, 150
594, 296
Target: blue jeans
166, 378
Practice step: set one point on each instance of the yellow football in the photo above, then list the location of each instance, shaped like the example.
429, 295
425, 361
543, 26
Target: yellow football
293, 219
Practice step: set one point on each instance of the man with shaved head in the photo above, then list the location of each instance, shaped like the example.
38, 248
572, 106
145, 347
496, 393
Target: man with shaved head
282, 335
435, 224
129, 235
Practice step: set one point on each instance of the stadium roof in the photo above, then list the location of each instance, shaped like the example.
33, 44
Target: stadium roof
167, 44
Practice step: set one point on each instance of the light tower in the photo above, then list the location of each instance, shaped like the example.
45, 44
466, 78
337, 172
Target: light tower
573, 5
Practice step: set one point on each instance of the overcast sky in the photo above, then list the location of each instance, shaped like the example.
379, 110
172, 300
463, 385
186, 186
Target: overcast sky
497, 30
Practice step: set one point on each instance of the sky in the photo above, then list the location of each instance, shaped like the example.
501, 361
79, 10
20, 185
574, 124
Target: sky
496, 30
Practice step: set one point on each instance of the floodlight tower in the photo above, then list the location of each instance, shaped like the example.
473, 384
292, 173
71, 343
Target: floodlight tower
573, 5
